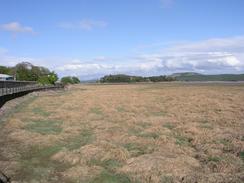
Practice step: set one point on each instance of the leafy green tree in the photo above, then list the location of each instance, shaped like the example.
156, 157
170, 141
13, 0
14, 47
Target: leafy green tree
75, 80
44, 80
5, 70
70, 80
26, 71
131, 79
48, 79
67, 80
52, 77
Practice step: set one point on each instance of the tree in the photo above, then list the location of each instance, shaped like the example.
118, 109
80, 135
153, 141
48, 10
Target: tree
70, 80
131, 79
53, 77
23, 72
48, 79
5, 70
26, 71
75, 80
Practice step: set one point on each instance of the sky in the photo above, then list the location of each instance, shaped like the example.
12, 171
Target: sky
92, 38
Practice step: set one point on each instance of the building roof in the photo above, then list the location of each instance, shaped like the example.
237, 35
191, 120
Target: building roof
5, 76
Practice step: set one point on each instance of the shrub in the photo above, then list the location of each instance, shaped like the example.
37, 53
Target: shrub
70, 80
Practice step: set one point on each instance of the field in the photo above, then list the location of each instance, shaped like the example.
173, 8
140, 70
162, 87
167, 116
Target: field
148, 133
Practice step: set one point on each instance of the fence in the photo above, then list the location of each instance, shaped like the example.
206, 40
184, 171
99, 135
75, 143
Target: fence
13, 89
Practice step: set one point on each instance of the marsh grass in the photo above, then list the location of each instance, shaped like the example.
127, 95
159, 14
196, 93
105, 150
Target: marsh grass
110, 177
18, 108
158, 113
121, 140
144, 124
214, 159
40, 111
242, 155
121, 109
136, 149
44, 127
85, 137
140, 133
153, 135
36, 164
169, 125
224, 142
242, 138
181, 140
166, 179
134, 131
206, 126
96, 110
110, 164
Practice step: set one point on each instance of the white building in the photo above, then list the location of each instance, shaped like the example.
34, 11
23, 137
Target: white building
4, 77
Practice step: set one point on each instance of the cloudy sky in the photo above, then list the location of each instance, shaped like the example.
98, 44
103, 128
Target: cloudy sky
91, 38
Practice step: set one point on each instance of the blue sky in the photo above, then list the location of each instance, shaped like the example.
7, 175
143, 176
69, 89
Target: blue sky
90, 38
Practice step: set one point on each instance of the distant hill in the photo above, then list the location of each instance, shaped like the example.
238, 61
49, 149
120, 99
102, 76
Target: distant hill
183, 74
192, 76
122, 78
89, 81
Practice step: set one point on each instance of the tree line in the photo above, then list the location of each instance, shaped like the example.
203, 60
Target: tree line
122, 78
26, 71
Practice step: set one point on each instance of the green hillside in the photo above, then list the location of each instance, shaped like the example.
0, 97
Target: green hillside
200, 77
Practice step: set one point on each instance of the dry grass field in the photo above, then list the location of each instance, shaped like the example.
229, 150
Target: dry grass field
148, 133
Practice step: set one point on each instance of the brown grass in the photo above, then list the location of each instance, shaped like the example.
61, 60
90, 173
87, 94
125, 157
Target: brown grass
127, 133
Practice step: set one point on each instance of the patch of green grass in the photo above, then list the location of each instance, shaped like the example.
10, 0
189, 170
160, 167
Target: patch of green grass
85, 137
242, 138
110, 177
158, 113
36, 164
166, 179
169, 125
18, 108
41, 152
134, 131
136, 149
22, 106
44, 127
96, 110
144, 124
153, 135
109, 165
204, 121
206, 125
139, 133
121, 109
181, 140
40, 111
214, 159
242, 155
224, 142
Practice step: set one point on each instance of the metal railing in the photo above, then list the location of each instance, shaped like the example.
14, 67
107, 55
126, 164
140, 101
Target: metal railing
11, 87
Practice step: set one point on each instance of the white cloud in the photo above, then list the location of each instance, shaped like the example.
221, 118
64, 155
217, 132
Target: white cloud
211, 56
16, 27
232, 44
84, 24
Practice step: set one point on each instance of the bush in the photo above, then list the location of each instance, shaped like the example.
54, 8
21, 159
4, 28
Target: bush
48, 79
26, 71
70, 80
